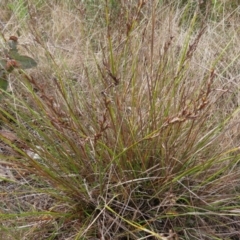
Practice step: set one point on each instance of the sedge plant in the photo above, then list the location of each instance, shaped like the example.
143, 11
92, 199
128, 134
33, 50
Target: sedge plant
122, 135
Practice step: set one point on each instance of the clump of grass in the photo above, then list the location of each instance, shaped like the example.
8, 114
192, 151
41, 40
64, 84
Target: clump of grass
119, 134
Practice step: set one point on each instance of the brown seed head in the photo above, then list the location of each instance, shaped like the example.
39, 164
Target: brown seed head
11, 64
13, 38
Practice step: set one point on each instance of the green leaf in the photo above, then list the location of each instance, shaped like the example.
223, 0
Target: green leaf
13, 45
3, 84
13, 54
24, 61
3, 64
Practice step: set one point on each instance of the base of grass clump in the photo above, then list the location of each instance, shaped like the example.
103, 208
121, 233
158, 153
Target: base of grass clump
123, 130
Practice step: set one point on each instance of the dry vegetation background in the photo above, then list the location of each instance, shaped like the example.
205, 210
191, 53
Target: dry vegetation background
128, 128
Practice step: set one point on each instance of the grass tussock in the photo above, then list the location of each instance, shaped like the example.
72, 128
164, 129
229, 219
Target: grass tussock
128, 126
